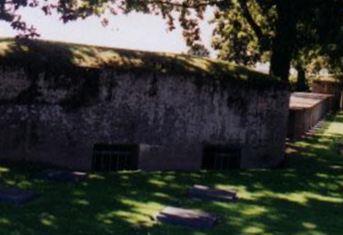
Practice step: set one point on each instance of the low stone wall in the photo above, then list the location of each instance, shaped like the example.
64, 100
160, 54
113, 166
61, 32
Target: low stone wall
306, 110
330, 86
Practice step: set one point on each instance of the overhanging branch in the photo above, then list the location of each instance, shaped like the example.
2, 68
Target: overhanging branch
186, 3
255, 27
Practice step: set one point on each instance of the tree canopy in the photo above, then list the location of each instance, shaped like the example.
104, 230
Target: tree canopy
199, 50
249, 29
245, 32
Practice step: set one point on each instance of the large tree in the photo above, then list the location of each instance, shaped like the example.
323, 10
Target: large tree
247, 32
281, 41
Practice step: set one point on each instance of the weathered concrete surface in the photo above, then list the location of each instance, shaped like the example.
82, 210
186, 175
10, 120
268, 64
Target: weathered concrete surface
306, 110
185, 217
56, 117
330, 85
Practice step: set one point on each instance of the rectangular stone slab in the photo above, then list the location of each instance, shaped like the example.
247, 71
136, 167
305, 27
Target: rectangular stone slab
16, 196
188, 218
63, 176
206, 193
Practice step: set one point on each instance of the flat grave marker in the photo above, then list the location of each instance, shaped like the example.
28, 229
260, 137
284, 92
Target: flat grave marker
16, 196
63, 176
186, 217
211, 194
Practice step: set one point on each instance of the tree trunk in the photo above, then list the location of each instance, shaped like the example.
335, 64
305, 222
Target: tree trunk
301, 84
284, 40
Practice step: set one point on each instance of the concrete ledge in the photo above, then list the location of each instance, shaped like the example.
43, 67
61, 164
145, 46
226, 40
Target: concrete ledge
330, 85
306, 110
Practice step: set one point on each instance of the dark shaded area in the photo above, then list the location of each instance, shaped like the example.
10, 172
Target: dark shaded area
16, 196
62, 176
219, 157
302, 83
115, 157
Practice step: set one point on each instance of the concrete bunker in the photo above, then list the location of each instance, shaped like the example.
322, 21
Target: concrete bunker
70, 105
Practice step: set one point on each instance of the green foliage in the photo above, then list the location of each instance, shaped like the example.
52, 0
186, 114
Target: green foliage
246, 30
199, 50
236, 39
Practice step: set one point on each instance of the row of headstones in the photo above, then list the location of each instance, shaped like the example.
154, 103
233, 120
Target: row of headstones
171, 215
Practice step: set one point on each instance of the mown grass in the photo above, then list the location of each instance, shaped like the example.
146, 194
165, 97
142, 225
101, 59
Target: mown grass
306, 197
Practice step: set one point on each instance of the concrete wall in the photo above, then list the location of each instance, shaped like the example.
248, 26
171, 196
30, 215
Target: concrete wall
306, 110
334, 88
56, 117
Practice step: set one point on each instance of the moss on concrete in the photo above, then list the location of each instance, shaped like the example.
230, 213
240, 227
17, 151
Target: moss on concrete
58, 56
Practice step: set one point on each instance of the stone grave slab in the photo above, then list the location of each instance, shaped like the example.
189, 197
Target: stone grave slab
210, 194
186, 217
63, 176
16, 196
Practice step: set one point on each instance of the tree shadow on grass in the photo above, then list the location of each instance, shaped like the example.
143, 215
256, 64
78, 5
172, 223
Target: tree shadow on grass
304, 197
337, 118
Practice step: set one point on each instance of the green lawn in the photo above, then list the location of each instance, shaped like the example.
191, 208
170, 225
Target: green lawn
304, 198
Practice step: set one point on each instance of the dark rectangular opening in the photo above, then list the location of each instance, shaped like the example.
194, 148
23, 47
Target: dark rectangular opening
221, 157
115, 157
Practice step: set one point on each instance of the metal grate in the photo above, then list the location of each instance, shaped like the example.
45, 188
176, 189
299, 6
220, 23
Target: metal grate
115, 157
221, 157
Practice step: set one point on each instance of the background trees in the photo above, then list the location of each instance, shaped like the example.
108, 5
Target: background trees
251, 31
279, 31
198, 50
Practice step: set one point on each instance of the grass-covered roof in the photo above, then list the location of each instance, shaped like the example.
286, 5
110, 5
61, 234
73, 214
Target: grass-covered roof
58, 55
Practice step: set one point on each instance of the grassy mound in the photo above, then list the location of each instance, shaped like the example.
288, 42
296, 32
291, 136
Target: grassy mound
59, 56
